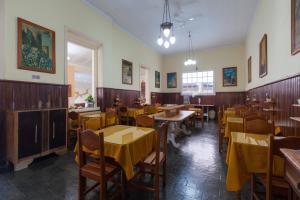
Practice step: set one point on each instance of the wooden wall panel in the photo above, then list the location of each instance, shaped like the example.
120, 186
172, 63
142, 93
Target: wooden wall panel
284, 93
221, 98
17, 95
106, 96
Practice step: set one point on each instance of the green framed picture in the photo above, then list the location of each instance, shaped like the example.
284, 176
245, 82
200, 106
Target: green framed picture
172, 80
36, 47
157, 79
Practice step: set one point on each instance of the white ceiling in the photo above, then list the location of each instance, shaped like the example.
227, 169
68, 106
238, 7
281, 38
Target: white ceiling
80, 57
217, 22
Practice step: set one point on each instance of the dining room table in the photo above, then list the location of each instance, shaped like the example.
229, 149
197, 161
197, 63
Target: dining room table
247, 153
233, 124
127, 145
176, 124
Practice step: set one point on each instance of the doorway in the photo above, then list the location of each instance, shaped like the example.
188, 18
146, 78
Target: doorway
144, 84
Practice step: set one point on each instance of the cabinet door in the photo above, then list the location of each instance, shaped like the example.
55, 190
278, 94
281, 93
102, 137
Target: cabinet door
30, 129
57, 133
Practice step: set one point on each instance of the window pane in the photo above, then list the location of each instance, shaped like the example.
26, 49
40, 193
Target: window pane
210, 79
205, 79
205, 73
184, 75
189, 75
210, 73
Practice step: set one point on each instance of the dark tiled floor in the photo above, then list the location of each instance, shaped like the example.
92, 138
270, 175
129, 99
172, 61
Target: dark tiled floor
195, 171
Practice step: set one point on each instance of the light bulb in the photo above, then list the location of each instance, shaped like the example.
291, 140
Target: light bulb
166, 44
160, 41
172, 39
167, 32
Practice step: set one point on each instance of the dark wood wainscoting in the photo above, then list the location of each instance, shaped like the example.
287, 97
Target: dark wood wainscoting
106, 96
221, 98
17, 95
284, 93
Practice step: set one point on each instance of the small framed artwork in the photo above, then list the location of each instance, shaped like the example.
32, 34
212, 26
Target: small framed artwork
126, 72
249, 69
229, 76
295, 26
172, 80
263, 57
36, 47
157, 79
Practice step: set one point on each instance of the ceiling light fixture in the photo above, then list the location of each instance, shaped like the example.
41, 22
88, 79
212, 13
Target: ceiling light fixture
166, 27
190, 53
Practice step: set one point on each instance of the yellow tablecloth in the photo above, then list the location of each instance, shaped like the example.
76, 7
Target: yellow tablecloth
134, 112
228, 113
248, 153
197, 110
128, 145
233, 124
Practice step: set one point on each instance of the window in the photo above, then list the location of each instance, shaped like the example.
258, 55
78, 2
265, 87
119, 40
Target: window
198, 83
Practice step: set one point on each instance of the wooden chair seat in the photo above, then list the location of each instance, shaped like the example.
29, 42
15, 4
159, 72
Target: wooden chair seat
92, 170
277, 182
150, 160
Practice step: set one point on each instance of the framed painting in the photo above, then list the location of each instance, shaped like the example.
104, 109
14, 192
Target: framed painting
126, 72
157, 79
249, 69
295, 26
229, 76
36, 47
172, 80
263, 57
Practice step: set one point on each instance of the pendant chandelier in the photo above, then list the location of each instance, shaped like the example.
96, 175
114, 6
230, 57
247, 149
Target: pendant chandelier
166, 27
190, 53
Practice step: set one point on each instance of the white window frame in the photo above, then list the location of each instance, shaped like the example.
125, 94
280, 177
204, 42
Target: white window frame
196, 80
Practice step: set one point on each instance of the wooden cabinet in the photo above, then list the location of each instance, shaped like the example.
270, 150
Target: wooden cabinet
29, 133
57, 135
35, 133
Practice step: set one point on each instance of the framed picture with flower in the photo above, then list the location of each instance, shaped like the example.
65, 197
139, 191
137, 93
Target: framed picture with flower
36, 47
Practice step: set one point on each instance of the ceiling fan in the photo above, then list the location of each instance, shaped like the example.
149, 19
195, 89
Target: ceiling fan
181, 19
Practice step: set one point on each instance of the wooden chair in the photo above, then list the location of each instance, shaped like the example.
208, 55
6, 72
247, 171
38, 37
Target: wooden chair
145, 121
258, 124
221, 130
92, 124
96, 169
110, 117
199, 116
73, 128
275, 184
123, 115
153, 163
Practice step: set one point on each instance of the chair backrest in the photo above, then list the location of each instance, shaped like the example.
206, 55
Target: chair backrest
92, 124
258, 125
161, 142
220, 117
145, 121
275, 144
123, 109
93, 142
73, 115
110, 117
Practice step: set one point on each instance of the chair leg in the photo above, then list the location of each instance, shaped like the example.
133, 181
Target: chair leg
102, 191
164, 173
81, 187
252, 189
157, 186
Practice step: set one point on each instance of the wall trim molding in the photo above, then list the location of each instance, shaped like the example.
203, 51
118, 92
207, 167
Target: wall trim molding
31, 82
273, 82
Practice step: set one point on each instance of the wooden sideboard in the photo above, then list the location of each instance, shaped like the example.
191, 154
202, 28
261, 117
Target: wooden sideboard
292, 169
35, 133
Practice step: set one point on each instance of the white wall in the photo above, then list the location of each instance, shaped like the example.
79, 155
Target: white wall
2, 39
212, 59
272, 17
57, 15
